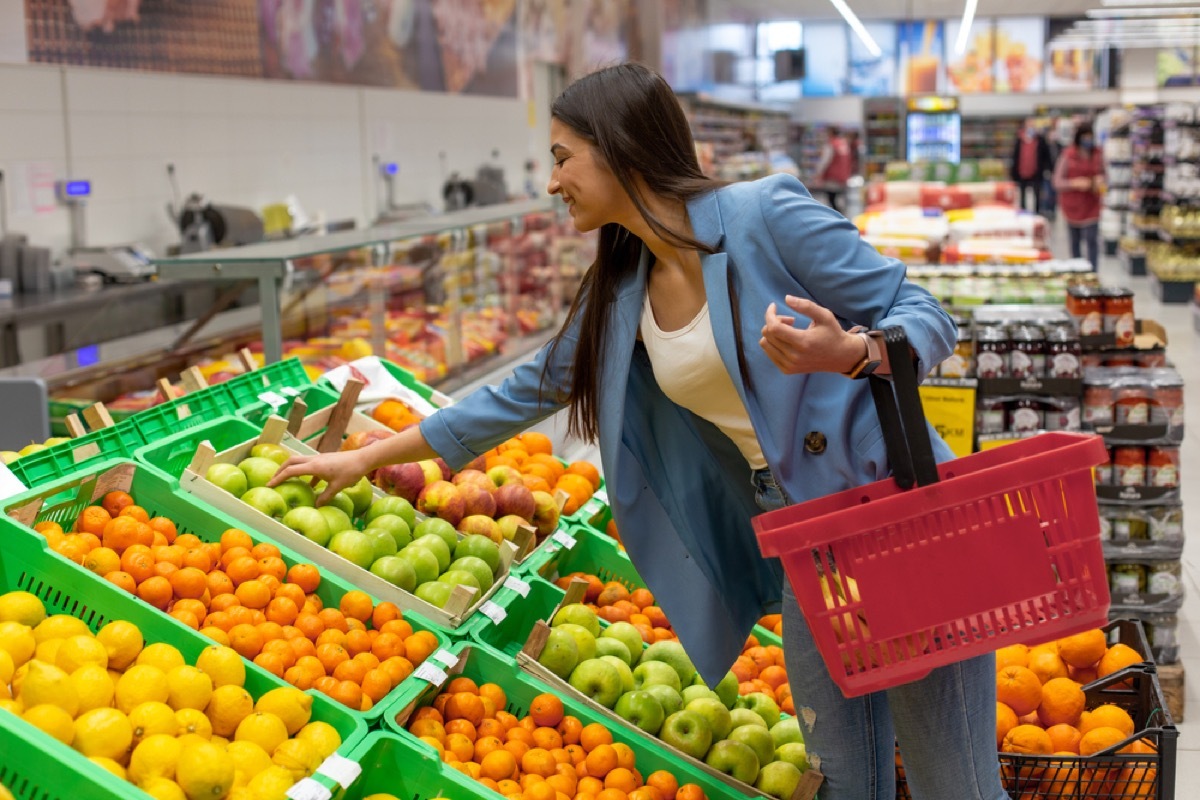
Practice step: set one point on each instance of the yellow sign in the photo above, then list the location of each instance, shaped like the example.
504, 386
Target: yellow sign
951, 410
992, 444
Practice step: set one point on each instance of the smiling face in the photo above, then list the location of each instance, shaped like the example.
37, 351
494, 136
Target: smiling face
586, 184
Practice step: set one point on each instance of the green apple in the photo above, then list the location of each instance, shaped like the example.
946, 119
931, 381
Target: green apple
309, 523
382, 541
459, 577
336, 519
561, 654
296, 493
691, 693
438, 526
759, 740
672, 653
786, 731
396, 571
744, 716
578, 614
727, 689
628, 635
794, 753
623, 668
762, 704
343, 503
655, 673
668, 698
354, 546
258, 471
394, 505
436, 546
735, 759
266, 500
598, 680
583, 638
641, 709
361, 496
480, 547
9, 456
270, 451
229, 478
612, 647
394, 525
778, 779
56, 440
478, 568
687, 732
715, 712
30, 448
434, 593
423, 562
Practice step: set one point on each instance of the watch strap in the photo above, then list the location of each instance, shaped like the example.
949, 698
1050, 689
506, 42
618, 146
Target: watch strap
874, 353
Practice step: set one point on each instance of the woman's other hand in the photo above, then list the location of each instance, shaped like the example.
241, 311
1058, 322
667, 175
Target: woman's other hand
339, 470
821, 347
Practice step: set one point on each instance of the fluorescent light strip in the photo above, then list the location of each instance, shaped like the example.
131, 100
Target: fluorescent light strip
1143, 3
856, 25
1133, 13
964, 31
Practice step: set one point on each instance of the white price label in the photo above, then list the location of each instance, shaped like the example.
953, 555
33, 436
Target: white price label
563, 538
10, 485
601, 495
340, 769
308, 789
445, 658
290, 391
493, 612
273, 399
431, 673
517, 585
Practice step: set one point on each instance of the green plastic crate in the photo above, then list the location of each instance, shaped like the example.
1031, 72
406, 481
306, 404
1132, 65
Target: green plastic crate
316, 397
68, 497
508, 635
35, 765
181, 413
47, 465
174, 453
243, 390
399, 766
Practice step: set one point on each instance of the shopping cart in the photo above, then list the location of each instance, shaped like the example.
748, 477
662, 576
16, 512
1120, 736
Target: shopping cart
997, 548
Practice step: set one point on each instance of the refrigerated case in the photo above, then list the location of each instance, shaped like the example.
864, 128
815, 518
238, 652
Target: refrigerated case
933, 128
884, 134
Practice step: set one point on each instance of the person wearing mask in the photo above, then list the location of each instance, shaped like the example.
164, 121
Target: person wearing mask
835, 168
1079, 181
1031, 162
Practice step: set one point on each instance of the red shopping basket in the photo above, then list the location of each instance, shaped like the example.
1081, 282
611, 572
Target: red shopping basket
997, 548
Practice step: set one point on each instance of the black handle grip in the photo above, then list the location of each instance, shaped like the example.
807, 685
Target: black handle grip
898, 404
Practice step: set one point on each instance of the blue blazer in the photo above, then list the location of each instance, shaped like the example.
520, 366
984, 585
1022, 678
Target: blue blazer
680, 490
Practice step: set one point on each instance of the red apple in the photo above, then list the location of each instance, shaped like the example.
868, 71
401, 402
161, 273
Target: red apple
477, 500
515, 498
474, 476
441, 499
484, 526
545, 514
433, 472
478, 463
447, 473
402, 480
502, 474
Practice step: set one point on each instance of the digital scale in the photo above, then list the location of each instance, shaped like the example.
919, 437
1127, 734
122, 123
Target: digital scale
126, 263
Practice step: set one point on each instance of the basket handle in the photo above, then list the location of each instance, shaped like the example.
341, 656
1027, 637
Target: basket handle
898, 404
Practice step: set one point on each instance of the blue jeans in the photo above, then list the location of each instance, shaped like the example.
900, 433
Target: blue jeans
945, 723
1088, 235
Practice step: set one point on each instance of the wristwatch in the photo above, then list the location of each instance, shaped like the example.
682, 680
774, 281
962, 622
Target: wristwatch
874, 357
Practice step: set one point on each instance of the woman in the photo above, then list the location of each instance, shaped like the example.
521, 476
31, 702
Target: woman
1079, 180
675, 356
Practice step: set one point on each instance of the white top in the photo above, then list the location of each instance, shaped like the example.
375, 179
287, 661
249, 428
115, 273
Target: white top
689, 370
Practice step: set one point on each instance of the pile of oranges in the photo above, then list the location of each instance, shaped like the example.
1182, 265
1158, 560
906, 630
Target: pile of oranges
1042, 711
243, 595
395, 414
545, 755
761, 669
532, 454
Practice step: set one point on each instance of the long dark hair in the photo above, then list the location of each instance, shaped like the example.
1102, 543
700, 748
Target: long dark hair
631, 117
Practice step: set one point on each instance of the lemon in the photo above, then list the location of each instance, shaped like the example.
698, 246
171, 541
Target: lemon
323, 736
13, 707
220, 741
239, 792
288, 703
103, 732
192, 721
21, 607
5, 692
46, 683
18, 640
19, 677
161, 655
5, 794
52, 720
205, 772
48, 651
152, 719
110, 765
223, 665
123, 641
248, 760
141, 684
271, 784
7, 667
155, 757
73, 653
298, 757
94, 687
227, 708
163, 789
265, 730
191, 740
386, 796
188, 687
60, 626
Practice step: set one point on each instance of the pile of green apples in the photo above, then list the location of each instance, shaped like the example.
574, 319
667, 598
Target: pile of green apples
425, 557
9, 456
657, 689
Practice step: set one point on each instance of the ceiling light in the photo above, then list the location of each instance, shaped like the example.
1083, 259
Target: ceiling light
1140, 3
1123, 13
960, 45
856, 25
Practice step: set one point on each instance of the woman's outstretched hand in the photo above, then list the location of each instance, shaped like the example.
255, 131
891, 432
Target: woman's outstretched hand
339, 470
821, 347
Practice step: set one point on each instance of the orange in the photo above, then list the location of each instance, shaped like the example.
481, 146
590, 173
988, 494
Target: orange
570, 729
358, 642
460, 746
273, 566
498, 765
690, 791
601, 760
189, 582
137, 512
253, 594
1082, 676
463, 727
1117, 658
665, 782
1014, 655
420, 646
92, 520
1062, 702
282, 611
348, 693
186, 617
462, 684
384, 613
547, 739
586, 469
241, 569
310, 625
1027, 740
199, 558
271, 662
350, 670
622, 779
1083, 649
156, 591
1047, 665
427, 727
114, 502
546, 710
164, 526
102, 561
1019, 689
645, 793
356, 605
120, 533
494, 693
625, 755
233, 537
534, 443
1107, 716
333, 619
538, 762
123, 580
246, 640
283, 649
1064, 738
594, 735
165, 568
1100, 738
264, 550
612, 794
774, 676
219, 583
1060, 779
388, 645
518, 733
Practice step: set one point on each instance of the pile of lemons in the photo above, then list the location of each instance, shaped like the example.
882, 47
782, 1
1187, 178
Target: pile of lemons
176, 730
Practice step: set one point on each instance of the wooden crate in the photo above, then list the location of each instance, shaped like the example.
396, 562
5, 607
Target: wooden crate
1170, 678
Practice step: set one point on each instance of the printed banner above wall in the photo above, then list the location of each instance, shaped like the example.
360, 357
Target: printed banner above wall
871, 75
1020, 53
1177, 67
922, 47
974, 71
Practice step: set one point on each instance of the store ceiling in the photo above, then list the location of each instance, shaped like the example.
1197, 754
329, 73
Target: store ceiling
746, 10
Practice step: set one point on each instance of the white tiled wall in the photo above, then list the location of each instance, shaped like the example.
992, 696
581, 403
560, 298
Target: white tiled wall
240, 142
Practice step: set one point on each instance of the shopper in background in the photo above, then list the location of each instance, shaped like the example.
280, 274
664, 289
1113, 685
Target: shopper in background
835, 167
1079, 179
1031, 163
709, 355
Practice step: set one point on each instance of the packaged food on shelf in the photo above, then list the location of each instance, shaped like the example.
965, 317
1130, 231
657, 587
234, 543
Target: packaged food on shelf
1142, 531
1134, 405
1148, 584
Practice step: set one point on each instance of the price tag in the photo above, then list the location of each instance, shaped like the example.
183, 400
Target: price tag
290, 391
517, 585
601, 495
431, 673
308, 789
493, 612
340, 769
10, 485
563, 538
951, 410
273, 399
445, 658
